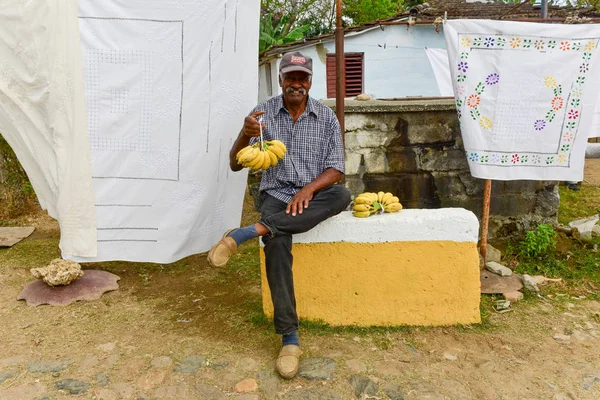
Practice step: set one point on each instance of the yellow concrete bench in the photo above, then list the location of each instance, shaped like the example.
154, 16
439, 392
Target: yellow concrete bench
414, 267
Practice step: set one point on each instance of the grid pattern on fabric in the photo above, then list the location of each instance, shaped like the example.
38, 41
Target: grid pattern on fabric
314, 144
94, 87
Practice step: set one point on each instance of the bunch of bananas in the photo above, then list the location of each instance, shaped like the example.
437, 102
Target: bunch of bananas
367, 204
262, 157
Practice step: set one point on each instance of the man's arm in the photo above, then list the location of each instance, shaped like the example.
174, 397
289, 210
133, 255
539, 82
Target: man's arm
304, 196
251, 129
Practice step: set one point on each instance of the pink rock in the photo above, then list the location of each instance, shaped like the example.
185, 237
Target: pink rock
91, 286
247, 385
513, 296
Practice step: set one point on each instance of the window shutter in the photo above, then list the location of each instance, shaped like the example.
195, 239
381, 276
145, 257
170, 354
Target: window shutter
354, 74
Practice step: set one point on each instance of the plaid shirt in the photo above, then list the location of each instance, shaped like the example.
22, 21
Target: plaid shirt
314, 144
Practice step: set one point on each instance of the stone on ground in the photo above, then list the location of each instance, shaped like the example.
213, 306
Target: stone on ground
498, 269
493, 254
513, 296
317, 368
58, 272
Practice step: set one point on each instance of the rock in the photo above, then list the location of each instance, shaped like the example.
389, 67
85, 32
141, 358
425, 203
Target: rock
513, 296
596, 231
89, 362
539, 279
151, 379
317, 368
23, 392
498, 269
190, 365
450, 356
590, 381
9, 236
171, 392
247, 364
58, 272
492, 283
12, 361
161, 362
210, 392
221, 364
363, 386
45, 367
247, 385
6, 375
102, 379
393, 391
363, 97
91, 286
312, 394
493, 254
356, 366
584, 227
124, 390
530, 283
270, 387
73, 386
107, 347
562, 338
106, 394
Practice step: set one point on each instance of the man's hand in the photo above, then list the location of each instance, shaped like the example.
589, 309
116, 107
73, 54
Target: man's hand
300, 201
252, 126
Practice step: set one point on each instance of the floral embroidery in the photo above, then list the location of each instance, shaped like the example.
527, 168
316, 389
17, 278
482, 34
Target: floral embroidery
514, 158
477, 41
562, 158
463, 66
590, 46
460, 90
536, 159
539, 124
466, 42
568, 137
550, 160
575, 102
474, 100
524, 159
492, 79
474, 157
484, 159
550, 82
557, 103
539, 44
495, 158
501, 42
565, 147
573, 114
584, 68
515, 42
526, 43
485, 123
464, 55
571, 125
551, 44
587, 56
504, 159
577, 92
489, 42
580, 80
551, 115
576, 46
564, 46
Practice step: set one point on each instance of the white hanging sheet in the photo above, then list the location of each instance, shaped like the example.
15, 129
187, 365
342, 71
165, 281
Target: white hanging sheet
438, 58
42, 112
526, 95
168, 84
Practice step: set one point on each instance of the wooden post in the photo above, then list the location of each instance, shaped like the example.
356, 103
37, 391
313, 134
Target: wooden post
340, 67
485, 218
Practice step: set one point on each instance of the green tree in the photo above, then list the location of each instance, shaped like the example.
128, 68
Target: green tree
362, 11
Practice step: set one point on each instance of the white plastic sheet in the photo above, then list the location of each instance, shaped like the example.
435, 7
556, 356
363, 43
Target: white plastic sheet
168, 84
42, 113
526, 95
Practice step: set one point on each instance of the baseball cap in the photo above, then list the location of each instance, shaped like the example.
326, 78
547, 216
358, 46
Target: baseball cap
295, 62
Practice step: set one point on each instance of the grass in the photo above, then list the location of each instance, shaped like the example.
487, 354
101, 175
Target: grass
578, 204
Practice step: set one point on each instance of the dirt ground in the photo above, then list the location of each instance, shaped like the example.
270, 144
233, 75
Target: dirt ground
132, 342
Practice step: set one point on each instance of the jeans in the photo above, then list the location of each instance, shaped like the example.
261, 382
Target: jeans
278, 246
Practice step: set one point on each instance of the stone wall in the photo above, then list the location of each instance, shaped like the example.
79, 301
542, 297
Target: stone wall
414, 149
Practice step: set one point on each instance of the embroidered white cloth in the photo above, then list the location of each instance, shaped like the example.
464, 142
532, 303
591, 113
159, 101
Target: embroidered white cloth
438, 59
42, 112
525, 95
168, 84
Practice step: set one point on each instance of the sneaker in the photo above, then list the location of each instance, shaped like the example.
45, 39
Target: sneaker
221, 252
288, 362
573, 186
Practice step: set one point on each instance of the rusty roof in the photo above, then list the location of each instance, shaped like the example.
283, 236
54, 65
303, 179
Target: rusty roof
456, 9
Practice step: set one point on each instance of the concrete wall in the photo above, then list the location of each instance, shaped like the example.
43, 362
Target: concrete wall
395, 63
414, 149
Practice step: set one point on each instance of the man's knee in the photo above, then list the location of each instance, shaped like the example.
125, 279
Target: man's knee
341, 196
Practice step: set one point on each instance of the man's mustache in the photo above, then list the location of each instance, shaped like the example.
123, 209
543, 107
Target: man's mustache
291, 89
